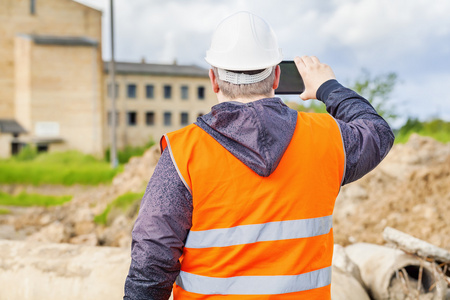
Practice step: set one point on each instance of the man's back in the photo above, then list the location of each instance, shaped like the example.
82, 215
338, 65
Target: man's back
243, 223
240, 203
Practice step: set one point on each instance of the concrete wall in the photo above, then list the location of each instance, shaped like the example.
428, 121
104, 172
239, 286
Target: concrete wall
38, 271
140, 133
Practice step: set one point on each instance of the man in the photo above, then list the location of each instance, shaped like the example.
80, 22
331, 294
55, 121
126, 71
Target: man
240, 203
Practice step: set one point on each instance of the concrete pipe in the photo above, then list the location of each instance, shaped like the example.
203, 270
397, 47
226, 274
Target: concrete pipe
346, 281
345, 287
392, 274
38, 271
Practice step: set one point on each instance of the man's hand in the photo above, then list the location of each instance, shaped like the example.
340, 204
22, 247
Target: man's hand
314, 74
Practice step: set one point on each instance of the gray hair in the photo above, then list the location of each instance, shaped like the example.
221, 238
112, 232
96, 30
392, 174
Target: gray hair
233, 91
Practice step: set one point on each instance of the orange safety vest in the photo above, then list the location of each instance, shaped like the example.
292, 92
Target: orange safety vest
256, 237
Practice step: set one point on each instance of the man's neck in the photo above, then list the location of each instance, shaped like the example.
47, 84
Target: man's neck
222, 98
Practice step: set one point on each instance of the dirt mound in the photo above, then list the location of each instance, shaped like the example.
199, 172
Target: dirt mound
409, 191
73, 222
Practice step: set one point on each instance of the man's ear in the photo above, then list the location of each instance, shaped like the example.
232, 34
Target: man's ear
213, 80
276, 82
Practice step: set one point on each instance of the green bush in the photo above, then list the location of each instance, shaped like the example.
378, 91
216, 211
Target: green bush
67, 168
437, 129
124, 155
127, 203
4, 211
28, 152
24, 199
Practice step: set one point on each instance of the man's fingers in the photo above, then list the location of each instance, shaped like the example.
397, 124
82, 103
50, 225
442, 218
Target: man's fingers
314, 74
303, 97
306, 95
307, 60
315, 59
299, 63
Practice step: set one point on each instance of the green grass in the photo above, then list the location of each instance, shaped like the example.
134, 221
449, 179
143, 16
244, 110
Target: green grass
436, 129
443, 137
4, 211
24, 199
124, 155
121, 204
67, 168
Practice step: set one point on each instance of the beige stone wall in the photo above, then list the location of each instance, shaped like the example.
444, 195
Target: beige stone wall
65, 90
140, 134
44, 83
52, 17
5, 145
22, 81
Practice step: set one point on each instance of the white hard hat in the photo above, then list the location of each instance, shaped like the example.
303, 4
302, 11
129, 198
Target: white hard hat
244, 42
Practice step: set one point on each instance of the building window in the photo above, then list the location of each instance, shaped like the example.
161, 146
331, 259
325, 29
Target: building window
201, 92
32, 7
41, 148
131, 91
167, 92
116, 90
131, 118
16, 147
167, 118
184, 92
184, 118
150, 118
149, 91
109, 118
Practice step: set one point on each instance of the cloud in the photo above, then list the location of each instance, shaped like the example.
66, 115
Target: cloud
402, 36
390, 29
424, 97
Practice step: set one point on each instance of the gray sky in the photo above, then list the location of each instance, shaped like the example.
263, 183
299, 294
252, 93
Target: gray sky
409, 37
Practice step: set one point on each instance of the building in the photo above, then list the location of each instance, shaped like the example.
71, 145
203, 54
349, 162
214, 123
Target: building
154, 99
51, 73
53, 84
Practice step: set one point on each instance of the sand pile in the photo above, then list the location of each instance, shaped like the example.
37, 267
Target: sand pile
409, 191
73, 222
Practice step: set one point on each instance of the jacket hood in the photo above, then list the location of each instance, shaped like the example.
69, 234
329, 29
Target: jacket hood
257, 133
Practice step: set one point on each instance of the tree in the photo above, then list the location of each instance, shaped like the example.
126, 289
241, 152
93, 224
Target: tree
310, 106
377, 90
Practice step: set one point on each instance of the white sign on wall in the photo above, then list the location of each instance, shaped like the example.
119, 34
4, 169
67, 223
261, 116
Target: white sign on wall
46, 129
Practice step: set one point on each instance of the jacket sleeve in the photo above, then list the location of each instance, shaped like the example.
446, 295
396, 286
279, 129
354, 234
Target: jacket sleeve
159, 234
366, 135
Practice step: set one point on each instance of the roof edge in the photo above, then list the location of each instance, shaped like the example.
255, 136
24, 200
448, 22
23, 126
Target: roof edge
60, 40
88, 6
157, 69
12, 126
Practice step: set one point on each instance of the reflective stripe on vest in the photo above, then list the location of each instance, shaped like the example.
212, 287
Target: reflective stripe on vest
246, 234
254, 285
258, 237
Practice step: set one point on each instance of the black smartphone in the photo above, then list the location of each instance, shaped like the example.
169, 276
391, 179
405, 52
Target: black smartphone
291, 83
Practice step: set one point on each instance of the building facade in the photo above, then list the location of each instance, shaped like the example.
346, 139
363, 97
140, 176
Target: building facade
153, 99
51, 75
54, 84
